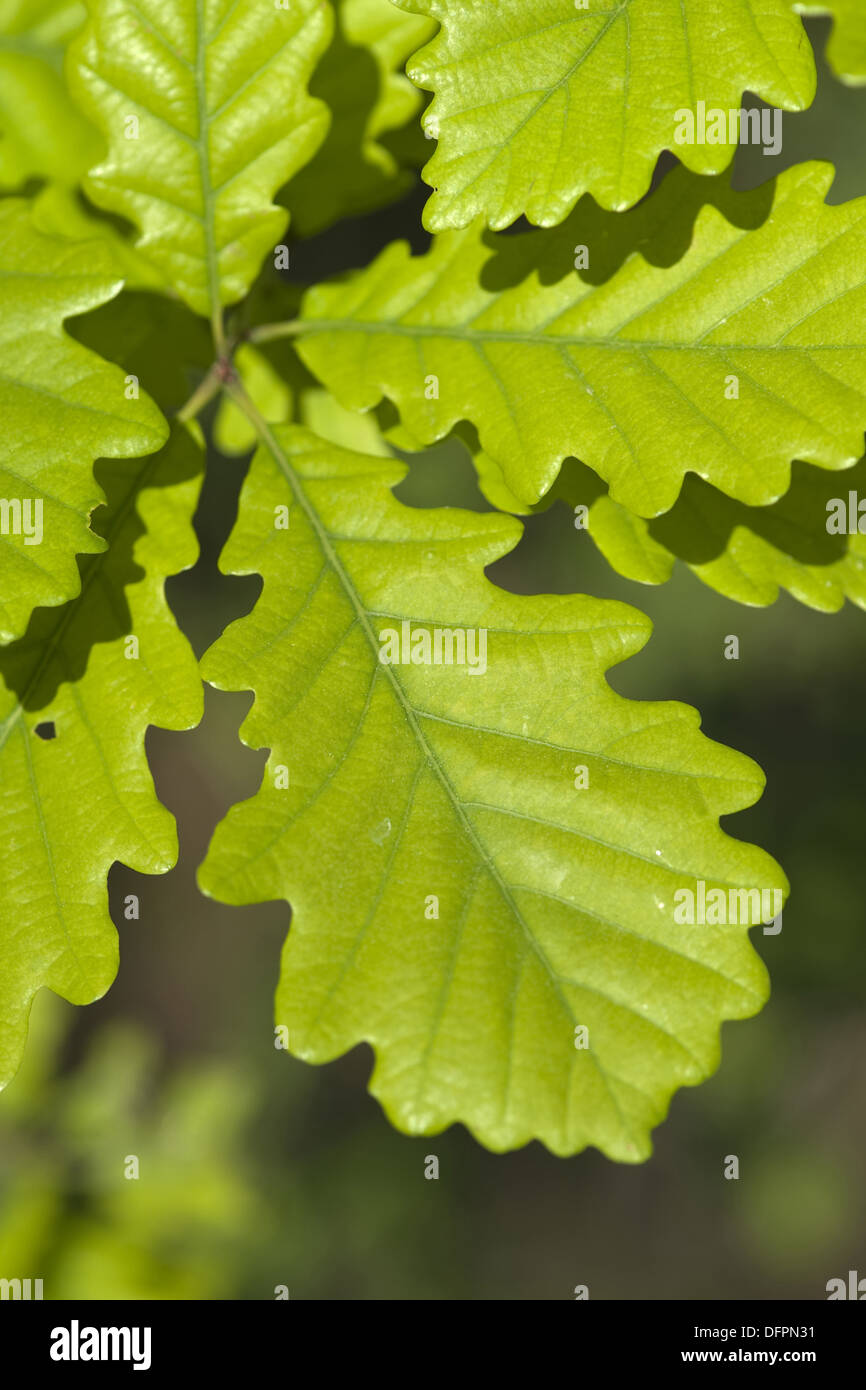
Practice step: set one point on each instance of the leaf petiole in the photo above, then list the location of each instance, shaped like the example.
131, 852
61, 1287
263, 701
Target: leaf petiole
203, 394
268, 332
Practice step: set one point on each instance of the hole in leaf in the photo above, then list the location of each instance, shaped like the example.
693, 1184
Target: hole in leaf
46, 729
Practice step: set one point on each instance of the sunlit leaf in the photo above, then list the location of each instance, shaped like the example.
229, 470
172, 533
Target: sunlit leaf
459, 902
205, 107
713, 332
539, 101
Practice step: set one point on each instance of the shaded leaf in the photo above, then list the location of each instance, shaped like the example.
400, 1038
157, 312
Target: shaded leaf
166, 347
361, 80
42, 132
62, 212
72, 805
846, 48
62, 407
746, 553
282, 395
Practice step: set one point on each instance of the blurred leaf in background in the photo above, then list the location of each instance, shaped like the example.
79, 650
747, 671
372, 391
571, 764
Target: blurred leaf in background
120, 1182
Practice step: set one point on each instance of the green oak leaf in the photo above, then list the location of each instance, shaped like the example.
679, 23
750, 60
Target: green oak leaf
205, 108
42, 133
750, 553
846, 49
746, 553
326, 418
539, 101
62, 212
457, 902
76, 671
361, 80
62, 407
632, 365
155, 338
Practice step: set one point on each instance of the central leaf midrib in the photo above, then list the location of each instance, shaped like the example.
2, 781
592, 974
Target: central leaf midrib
308, 327
202, 144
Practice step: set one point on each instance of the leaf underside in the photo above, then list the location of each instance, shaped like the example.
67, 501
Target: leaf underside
411, 784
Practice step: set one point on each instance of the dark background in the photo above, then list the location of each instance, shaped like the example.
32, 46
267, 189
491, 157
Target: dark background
258, 1170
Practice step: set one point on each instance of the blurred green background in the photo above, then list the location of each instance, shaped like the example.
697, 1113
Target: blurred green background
257, 1171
